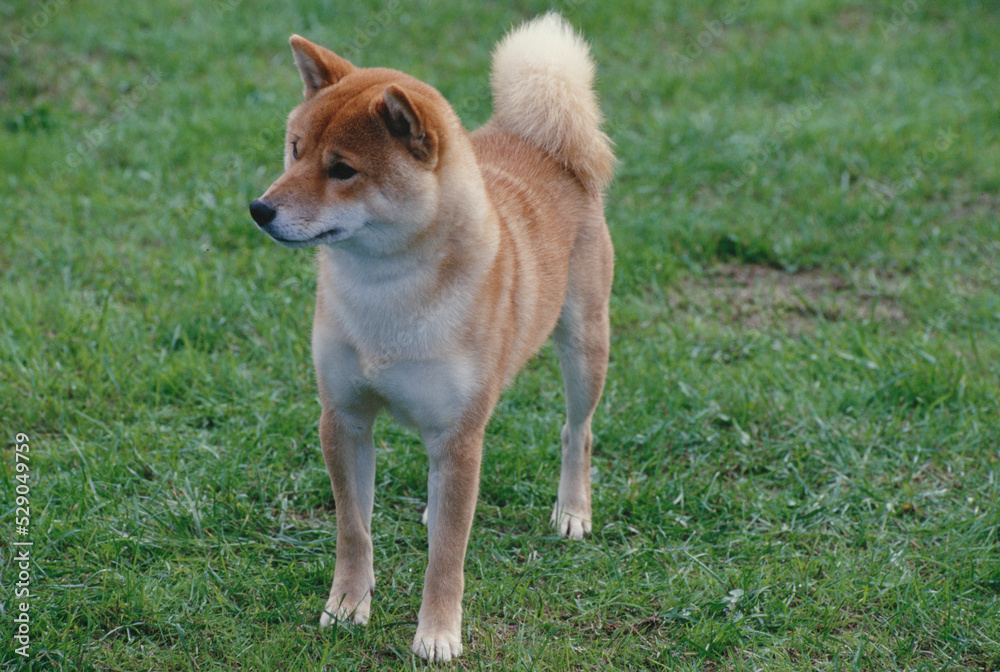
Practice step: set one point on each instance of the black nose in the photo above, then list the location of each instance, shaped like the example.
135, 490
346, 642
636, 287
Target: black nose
262, 213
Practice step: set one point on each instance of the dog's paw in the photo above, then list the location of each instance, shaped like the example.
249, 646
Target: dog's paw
437, 647
569, 524
339, 608
358, 615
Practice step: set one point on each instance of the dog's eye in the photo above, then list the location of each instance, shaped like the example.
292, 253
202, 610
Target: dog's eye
295, 149
341, 171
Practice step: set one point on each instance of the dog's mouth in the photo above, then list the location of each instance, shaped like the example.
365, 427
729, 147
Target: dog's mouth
331, 236
266, 215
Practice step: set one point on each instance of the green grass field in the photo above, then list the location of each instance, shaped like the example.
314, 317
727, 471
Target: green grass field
797, 452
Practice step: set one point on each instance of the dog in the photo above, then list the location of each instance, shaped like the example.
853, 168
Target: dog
445, 260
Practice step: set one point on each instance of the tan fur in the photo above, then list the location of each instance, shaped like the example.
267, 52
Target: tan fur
445, 261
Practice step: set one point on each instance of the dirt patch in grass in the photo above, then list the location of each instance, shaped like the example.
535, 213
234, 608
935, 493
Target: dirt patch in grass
754, 296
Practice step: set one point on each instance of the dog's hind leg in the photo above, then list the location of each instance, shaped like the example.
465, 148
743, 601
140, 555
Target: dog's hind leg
582, 340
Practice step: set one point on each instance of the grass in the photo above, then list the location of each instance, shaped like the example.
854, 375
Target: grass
797, 451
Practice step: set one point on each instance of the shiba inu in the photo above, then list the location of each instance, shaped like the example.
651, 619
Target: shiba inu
446, 258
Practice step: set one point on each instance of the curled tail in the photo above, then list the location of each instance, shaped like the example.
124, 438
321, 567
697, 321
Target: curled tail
543, 92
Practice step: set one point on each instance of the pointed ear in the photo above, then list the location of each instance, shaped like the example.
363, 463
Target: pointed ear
400, 111
319, 67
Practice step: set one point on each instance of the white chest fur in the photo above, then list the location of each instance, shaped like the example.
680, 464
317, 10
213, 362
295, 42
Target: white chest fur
380, 336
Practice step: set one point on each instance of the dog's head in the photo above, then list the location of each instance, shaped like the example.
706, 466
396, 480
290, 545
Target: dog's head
362, 155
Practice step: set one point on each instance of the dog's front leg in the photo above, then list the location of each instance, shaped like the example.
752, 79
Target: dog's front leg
350, 458
454, 484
